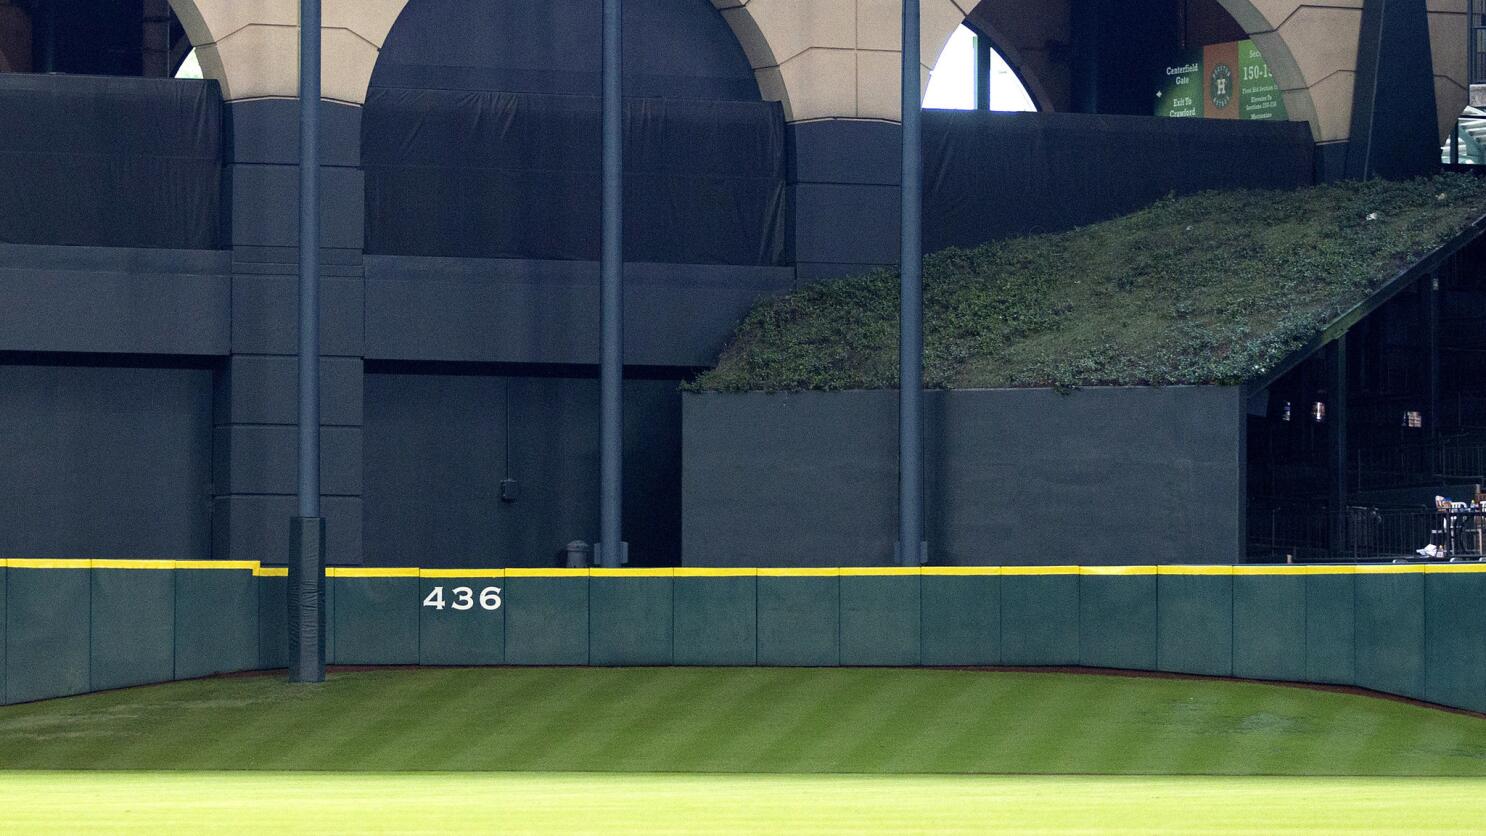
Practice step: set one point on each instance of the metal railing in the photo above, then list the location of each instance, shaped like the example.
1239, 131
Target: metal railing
1362, 534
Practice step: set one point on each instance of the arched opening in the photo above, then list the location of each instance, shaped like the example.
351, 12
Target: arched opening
135, 38
481, 153
972, 74
1113, 57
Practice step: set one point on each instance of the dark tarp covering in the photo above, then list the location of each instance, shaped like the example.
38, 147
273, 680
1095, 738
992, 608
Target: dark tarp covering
517, 175
989, 176
111, 162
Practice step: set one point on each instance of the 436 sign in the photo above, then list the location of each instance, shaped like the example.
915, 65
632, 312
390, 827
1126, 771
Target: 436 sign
464, 598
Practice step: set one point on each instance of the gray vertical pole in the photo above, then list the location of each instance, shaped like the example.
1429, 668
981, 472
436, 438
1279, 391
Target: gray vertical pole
982, 72
911, 292
1337, 414
49, 36
611, 301
307, 530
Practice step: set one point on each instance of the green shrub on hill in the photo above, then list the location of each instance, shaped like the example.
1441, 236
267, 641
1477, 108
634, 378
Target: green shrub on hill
1214, 288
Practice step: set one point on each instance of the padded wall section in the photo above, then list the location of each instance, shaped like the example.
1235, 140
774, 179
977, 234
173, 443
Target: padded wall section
470, 626
216, 622
818, 471
1390, 617
989, 176
1330, 629
1117, 621
547, 620
1039, 619
1455, 639
438, 446
111, 162
105, 461
799, 621
880, 620
47, 633
961, 620
377, 620
133, 627
1194, 624
715, 620
1269, 613
630, 620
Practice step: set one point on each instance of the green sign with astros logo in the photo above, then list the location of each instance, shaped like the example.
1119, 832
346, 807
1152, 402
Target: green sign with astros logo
1221, 81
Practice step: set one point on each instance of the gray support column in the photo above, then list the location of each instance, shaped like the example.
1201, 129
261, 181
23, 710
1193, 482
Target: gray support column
1336, 413
611, 291
307, 537
982, 72
911, 337
1394, 128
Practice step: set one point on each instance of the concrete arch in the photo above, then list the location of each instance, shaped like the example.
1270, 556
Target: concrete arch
839, 58
1026, 72
252, 48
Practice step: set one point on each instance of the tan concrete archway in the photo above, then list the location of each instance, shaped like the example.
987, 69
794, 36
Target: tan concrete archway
832, 59
251, 47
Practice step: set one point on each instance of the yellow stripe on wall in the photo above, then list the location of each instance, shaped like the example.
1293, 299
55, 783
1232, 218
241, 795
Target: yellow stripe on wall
261, 571
461, 573
48, 563
370, 572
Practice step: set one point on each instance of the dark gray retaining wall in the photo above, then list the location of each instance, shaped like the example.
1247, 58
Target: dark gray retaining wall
1015, 477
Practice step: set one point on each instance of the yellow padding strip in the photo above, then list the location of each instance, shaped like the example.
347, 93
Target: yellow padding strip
799, 573
1039, 570
546, 573
1390, 569
1288, 569
369, 572
271, 572
880, 571
632, 573
1118, 570
1194, 570
718, 572
48, 563
246, 565
461, 573
960, 570
1453, 568
135, 564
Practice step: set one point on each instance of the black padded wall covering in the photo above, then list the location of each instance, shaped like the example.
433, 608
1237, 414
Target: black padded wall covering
517, 175
672, 48
481, 136
989, 176
105, 461
113, 162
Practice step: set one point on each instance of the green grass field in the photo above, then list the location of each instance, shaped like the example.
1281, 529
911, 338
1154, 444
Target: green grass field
738, 749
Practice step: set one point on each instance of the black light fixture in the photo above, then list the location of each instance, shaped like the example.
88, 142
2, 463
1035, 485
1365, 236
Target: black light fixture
1318, 412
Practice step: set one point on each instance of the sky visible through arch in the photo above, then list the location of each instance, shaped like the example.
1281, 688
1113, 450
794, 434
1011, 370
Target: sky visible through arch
952, 83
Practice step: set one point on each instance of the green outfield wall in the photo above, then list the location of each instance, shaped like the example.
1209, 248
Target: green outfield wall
73, 626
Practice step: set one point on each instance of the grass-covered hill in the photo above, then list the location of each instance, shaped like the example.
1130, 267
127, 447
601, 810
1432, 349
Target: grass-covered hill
1213, 288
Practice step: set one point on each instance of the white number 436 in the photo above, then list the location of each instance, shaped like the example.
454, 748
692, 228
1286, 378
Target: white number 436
464, 598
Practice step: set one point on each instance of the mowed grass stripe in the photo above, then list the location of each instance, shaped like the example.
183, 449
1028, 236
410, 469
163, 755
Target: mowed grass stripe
760, 720
145, 802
